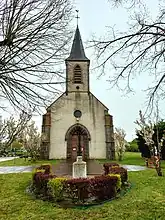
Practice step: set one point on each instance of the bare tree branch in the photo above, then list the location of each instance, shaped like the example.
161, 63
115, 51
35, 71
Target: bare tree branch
140, 50
33, 42
11, 128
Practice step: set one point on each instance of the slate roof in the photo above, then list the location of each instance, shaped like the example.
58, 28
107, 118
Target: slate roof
77, 51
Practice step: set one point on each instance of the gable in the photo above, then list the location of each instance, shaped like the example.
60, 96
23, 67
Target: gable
106, 108
58, 99
63, 97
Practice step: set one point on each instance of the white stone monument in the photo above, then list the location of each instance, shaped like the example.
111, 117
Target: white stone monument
79, 168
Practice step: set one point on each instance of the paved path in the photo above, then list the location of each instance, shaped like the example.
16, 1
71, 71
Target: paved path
16, 169
6, 158
65, 168
134, 167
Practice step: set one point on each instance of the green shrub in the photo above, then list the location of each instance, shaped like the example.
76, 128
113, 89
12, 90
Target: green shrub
77, 189
98, 188
132, 146
56, 187
46, 167
40, 184
19, 153
118, 184
17, 145
120, 170
104, 187
107, 166
40, 178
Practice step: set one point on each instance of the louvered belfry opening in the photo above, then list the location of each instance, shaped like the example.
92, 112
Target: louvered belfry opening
77, 74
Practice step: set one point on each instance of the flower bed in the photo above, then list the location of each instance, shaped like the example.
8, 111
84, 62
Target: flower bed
77, 191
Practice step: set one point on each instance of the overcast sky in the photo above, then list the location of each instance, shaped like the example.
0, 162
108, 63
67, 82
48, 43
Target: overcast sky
95, 16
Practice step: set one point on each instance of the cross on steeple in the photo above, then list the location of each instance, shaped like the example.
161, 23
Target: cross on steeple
77, 17
77, 50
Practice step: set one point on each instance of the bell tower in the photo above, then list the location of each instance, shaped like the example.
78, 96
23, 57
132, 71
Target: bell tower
77, 67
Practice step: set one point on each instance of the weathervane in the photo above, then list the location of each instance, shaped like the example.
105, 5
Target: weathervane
77, 16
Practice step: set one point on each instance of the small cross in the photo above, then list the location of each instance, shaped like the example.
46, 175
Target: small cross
77, 16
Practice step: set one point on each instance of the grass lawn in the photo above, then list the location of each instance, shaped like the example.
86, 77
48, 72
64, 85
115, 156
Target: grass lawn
130, 158
146, 200
23, 162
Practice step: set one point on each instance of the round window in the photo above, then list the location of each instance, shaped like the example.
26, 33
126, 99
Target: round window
77, 114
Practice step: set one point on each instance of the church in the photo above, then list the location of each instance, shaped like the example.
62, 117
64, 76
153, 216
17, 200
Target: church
77, 123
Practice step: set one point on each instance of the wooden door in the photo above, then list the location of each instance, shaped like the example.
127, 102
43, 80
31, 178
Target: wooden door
74, 147
72, 144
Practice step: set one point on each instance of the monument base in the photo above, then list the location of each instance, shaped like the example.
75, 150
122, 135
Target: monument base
79, 168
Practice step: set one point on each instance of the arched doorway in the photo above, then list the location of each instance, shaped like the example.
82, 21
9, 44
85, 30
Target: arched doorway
77, 134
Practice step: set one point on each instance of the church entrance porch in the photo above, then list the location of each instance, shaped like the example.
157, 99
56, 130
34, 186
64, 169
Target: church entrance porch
77, 138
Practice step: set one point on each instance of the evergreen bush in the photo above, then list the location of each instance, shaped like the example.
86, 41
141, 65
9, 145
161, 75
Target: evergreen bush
120, 170
56, 186
107, 166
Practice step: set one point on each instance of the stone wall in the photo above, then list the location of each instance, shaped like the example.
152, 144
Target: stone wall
93, 118
45, 137
109, 133
84, 86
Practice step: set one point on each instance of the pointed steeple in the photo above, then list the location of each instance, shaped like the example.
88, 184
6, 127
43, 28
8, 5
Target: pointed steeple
77, 52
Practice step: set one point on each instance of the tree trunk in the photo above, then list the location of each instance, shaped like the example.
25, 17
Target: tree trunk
157, 164
146, 161
119, 157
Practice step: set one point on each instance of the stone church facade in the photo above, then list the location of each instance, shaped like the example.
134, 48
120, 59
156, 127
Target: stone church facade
77, 120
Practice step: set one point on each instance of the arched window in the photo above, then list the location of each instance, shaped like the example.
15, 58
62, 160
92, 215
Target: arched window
77, 74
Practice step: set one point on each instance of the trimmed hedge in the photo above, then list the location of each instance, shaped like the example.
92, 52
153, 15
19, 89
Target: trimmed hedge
120, 170
56, 186
77, 189
107, 166
40, 184
40, 178
119, 183
46, 168
114, 168
98, 188
81, 190
104, 187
